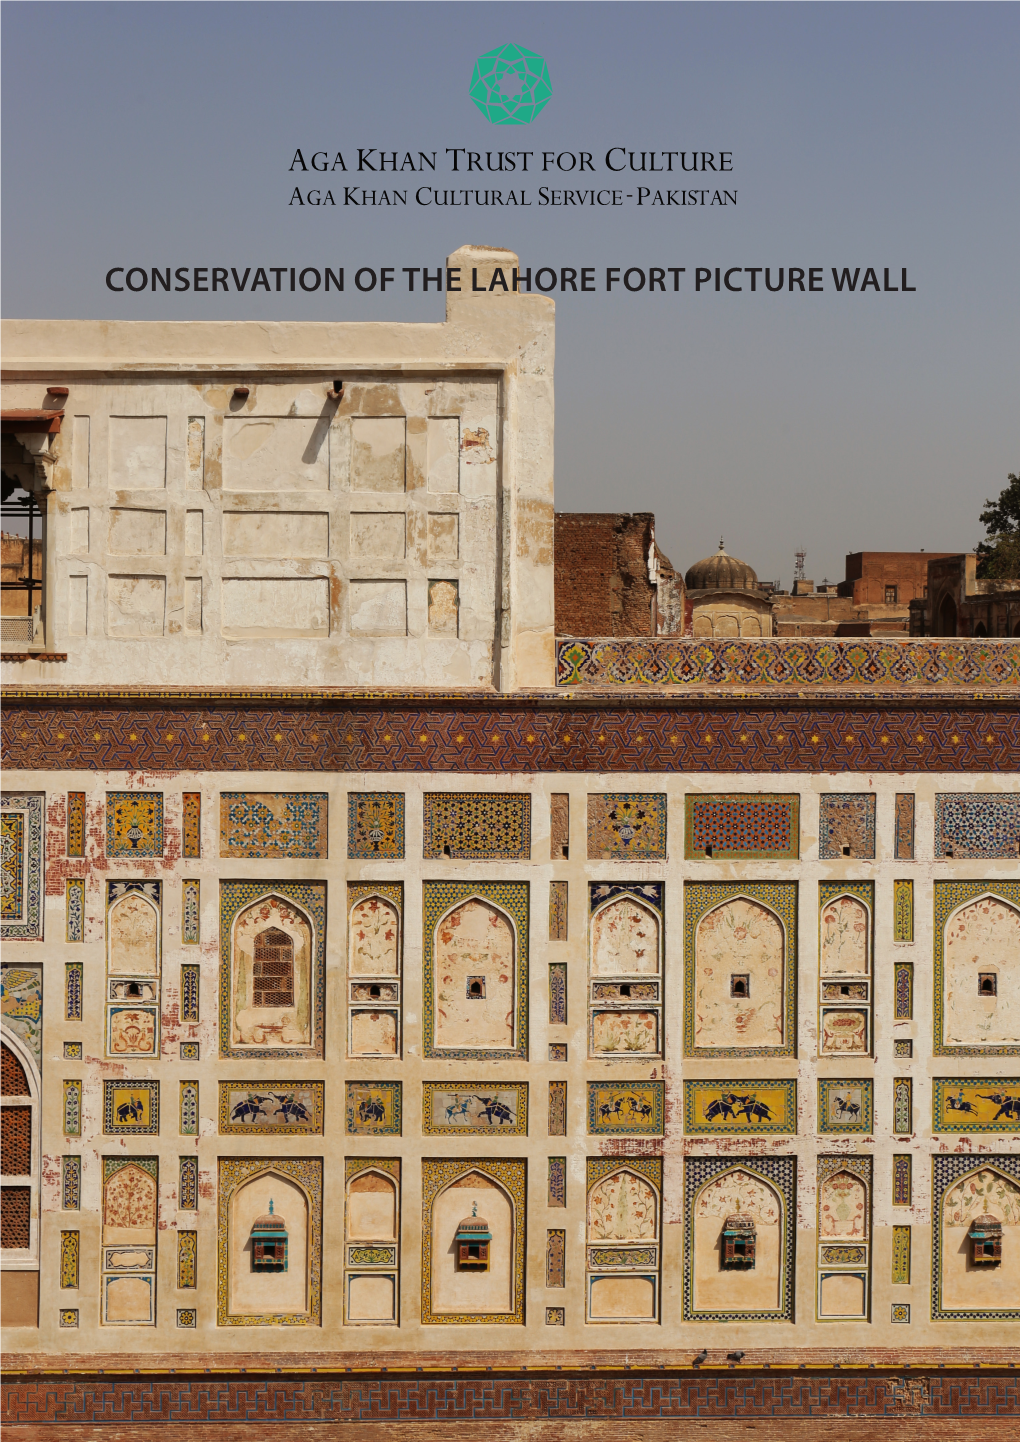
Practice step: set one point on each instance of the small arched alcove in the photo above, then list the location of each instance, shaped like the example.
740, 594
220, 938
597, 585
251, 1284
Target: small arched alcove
968, 1285
132, 929
474, 977
469, 1291
739, 976
257, 1293
718, 1288
981, 970
625, 939
845, 937
374, 938
271, 974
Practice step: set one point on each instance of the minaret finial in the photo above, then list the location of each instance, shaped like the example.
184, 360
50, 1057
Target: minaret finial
722, 546
474, 1209
270, 1206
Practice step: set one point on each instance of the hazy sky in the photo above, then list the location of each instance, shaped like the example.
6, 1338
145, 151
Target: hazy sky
862, 135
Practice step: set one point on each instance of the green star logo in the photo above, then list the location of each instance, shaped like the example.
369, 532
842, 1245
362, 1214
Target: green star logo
510, 85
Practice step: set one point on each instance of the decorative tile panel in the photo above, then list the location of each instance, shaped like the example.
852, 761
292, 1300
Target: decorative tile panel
373, 1109
187, 1260
626, 1108
131, 1108
70, 1183
901, 1256
511, 1176
21, 865
191, 912
899, 1312
477, 825
74, 929
977, 824
845, 1106
627, 826
187, 1317
557, 1051
273, 824
902, 1180
191, 824
557, 1109
719, 1108
846, 826
903, 911
73, 975
234, 1172
555, 1257
903, 848
375, 825
558, 994
557, 1194
952, 900
76, 823
293, 1108
780, 1174
190, 974
559, 826
903, 1106
471, 1108
187, 1189
72, 1108
69, 1316
903, 983
966, 1104
21, 991
73, 1051
982, 1178
558, 892
134, 823
555, 1316
742, 827
903, 1048
189, 1109
69, 1256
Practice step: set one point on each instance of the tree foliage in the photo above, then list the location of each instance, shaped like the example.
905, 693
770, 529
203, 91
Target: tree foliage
999, 552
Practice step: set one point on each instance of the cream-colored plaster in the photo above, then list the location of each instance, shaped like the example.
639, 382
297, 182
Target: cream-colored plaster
262, 1293
475, 1292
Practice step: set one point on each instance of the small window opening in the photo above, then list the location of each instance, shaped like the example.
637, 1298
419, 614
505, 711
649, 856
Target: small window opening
844, 991
890, 595
948, 851
133, 989
708, 853
375, 991
447, 851
625, 990
273, 972
476, 988
988, 983
846, 851
740, 984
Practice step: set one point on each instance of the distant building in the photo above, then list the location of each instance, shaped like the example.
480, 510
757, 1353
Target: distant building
725, 597
956, 603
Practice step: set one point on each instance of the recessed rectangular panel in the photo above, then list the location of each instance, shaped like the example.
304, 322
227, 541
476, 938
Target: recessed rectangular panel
275, 607
279, 535
378, 608
136, 607
137, 452
136, 532
276, 453
742, 827
625, 1108
378, 536
475, 1108
444, 454
378, 445
443, 543
286, 1108
966, 1104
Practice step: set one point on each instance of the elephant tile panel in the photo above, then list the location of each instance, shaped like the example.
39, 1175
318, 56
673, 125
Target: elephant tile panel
716, 1108
986, 1104
280, 1107
131, 1108
475, 1107
625, 1108
373, 1109
273, 824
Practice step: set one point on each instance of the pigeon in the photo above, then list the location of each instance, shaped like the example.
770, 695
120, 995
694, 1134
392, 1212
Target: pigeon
734, 1356
701, 1357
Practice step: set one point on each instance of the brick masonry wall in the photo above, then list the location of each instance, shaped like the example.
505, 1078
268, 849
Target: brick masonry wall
601, 574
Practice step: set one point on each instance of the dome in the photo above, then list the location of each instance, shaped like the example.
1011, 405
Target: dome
270, 1222
475, 1226
721, 572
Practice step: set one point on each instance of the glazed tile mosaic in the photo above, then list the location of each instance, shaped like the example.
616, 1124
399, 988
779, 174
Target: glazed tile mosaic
187, 1317
972, 919
703, 1175
477, 825
557, 1109
904, 1048
902, 1180
21, 990
21, 865
190, 1051
903, 848
72, 1108
964, 1186
134, 823
558, 993
899, 1312
719, 1108
470, 1108
558, 910
903, 990
69, 1254
273, 824
373, 1109
190, 974
74, 929
742, 828
901, 1256
306, 1173
189, 1109
70, 1183
69, 1316
375, 825
191, 824
187, 1260
626, 1108
191, 912
555, 1257
76, 823
131, 1108
72, 1051
903, 1106
845, 1106
555, 1316
294, 1108
73, 975
511, 1177
627, 826
978, 825
670, 661
557, 1051
187, 1187
963, 1104
557, 1184
559, 826
903, 911
846, 826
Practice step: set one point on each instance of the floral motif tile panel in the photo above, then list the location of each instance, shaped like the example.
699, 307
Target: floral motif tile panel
627, 826
273, 824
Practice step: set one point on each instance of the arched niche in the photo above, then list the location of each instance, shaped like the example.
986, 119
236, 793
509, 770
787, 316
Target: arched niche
473, 1293
746, 1194
843, 1209
947, 616
845, 944
272, 932
372, 1207
982, 938
625, 939
739, 984
374, 937
132, 930
268, 1294
985, 1191
474, 977
623, 1207
130, 1208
